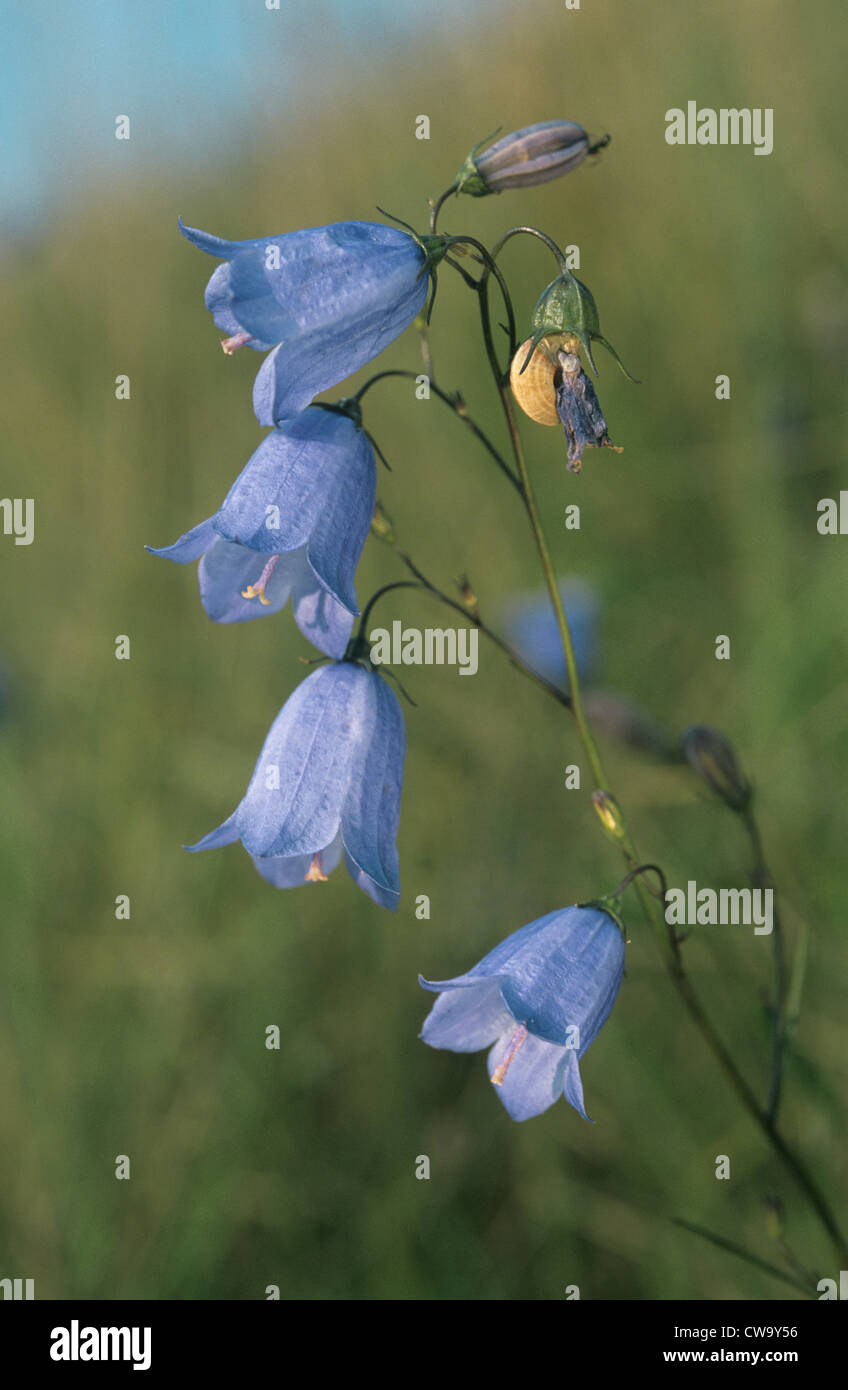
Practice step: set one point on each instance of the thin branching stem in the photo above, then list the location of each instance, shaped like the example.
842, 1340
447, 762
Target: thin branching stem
472, 616
457, 405
666, 936
762, 878
436, 206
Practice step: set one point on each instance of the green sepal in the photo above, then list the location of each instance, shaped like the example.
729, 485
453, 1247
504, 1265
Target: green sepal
568, 306
358, 650
435, 247
469, 179
534, 343
611, 350
345, 405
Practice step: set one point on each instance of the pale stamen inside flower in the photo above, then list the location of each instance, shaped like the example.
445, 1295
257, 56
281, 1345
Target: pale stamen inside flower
518, 1036
231, 345
257, 590
315, 874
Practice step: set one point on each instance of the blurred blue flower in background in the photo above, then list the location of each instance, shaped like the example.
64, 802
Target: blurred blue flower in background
531, 627
327, 784
292, 525
538, 1001
326, 299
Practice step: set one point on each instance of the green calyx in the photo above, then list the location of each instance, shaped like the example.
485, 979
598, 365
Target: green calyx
345, 405
435, 248
568, 306
469, 179
611, 905
358, 650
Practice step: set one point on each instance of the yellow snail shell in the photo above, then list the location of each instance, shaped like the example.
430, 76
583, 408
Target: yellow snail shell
535, 389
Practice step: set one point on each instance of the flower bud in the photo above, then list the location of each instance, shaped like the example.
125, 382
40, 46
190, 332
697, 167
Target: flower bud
381, 524
535, 154
468, 596
609, 814
774, 1216
711, 755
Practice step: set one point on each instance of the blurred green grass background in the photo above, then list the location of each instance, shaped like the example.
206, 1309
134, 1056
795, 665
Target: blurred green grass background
146, 1037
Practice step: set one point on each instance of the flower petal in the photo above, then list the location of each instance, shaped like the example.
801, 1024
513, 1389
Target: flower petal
465, 1020
292, 871
321, 618
276, 499
339, 534
570, 976
213, 245
294, 802
224, 834
371, 809
573, 1085
312, 482
218, 299
227, 569
532, 1082
190, 546
469, 981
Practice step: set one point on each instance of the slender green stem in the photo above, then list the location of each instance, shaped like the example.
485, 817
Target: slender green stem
530, 231
762, 879
586, 736
790, 1160
436, 207
459, 408
732, 1248
472, 616
366, 612
490, 267
426, 347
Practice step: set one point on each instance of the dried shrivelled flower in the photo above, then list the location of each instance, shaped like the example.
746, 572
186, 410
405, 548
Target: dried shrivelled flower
579, 411
327, 784
546, 377
551, 387
326, 299
538, 1001
534, 154
292, 525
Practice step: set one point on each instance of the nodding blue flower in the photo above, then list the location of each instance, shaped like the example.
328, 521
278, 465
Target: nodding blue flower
326, 299
531, 626
292, 525
327, 784
537, 1001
